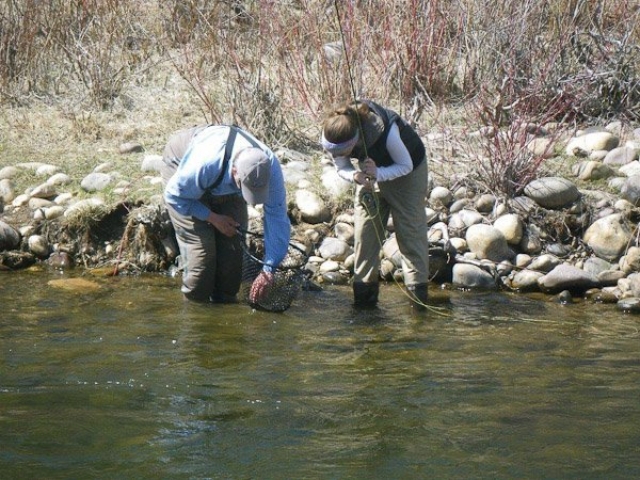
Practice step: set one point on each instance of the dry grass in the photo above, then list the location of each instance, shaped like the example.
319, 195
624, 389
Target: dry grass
80, 77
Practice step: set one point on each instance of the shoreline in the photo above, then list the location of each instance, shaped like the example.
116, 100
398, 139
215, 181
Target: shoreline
555, 238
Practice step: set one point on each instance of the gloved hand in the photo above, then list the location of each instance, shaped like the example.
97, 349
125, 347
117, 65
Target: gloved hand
260, 287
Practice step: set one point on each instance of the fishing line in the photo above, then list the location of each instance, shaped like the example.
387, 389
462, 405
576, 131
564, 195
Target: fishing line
350, 75
243, 234
369, 199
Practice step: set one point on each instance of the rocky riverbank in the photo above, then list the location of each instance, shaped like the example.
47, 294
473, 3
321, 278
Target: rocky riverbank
567, 241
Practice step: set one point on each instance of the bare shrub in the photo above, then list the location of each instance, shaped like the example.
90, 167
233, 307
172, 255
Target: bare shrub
275, 66
500, 160
533, 78
103, 45
608, 82
503, 164
52, 46
223, 61
24, 56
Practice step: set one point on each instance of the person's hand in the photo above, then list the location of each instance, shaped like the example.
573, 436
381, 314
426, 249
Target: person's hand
260, 287
225, 224
370, 169
363, 179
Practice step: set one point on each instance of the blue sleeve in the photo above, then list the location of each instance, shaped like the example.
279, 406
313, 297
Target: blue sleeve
277, 227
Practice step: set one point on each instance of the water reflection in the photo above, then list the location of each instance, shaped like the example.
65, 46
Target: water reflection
129, 381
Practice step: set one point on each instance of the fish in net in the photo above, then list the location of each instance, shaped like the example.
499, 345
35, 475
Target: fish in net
288, 277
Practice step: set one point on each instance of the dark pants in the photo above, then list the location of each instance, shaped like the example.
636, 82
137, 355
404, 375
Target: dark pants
212, 261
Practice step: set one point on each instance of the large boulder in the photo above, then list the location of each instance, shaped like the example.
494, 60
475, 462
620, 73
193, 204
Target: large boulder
312, 208
525, 280
487, 242
592, 141
9, 237
630, 190
7, 191
472, 276
608, 237
552, 192
567, 277
96, 182
511, 226
334, 184
621, 155
335, 249
592, 170
630, 262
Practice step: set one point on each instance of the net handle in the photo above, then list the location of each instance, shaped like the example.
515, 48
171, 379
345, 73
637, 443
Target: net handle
242, 232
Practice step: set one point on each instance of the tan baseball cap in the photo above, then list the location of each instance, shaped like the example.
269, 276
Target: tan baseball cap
253, 169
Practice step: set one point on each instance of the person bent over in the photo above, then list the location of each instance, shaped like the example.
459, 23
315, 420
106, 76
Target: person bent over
392, 179
211, 173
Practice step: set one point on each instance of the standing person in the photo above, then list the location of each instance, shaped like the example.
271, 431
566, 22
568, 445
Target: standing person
211, 173
390, 154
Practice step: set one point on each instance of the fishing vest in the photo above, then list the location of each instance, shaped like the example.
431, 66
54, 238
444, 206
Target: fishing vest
378, 151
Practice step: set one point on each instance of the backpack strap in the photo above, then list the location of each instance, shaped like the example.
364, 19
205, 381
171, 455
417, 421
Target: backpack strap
233, 131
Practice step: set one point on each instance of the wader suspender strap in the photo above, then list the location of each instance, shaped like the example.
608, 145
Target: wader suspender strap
227, 154
233, 131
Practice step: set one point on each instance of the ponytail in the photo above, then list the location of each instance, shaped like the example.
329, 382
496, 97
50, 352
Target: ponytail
343, 123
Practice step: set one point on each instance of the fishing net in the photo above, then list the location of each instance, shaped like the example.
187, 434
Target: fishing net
288, 277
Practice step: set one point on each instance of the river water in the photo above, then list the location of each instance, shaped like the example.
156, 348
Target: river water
129, 381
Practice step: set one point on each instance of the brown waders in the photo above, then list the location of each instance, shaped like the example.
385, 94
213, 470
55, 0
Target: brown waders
403, 198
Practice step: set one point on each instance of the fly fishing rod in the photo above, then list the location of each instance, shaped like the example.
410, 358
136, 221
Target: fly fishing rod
368, 198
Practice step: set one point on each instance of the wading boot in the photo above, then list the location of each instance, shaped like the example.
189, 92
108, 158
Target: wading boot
365, 295
220, 297
419, 295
